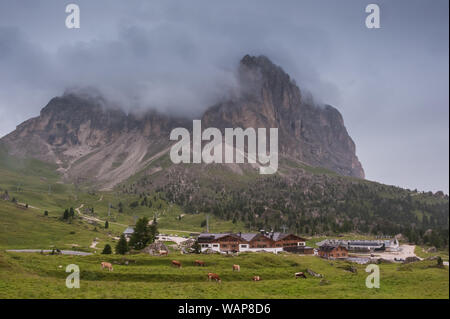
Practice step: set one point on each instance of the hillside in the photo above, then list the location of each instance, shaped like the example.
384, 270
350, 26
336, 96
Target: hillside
299, 198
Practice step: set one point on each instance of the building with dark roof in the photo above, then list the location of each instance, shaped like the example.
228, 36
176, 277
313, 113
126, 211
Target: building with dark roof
364, 245
252, 242
333, 251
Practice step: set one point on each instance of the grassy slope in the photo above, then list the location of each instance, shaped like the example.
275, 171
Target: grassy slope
22, 276
421, 252
28, 181
38, 276
30, 229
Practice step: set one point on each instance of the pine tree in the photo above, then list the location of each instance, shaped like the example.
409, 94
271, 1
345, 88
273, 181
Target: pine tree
66, 214
106, 225
143, 234
107, 250
122, 246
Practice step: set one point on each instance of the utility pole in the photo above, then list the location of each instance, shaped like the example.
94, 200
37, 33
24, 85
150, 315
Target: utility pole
207, 223
109, 209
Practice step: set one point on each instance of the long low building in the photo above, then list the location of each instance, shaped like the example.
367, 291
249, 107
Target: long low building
363, 245
252, 242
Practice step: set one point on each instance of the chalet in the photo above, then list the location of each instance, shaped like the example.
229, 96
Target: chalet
251, 242
333, 251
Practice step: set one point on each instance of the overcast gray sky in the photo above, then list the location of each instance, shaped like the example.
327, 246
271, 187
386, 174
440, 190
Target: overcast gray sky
390, 84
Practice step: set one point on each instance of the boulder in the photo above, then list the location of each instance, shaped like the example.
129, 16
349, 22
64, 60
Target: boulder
431, 250
314, 274
411, 259
155, 248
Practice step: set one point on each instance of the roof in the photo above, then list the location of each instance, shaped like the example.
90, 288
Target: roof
365, 243
279, 236
211, 236
275, 236
330, 247
129, 230
248, 236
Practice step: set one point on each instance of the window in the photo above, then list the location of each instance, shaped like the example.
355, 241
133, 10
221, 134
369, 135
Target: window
215, 245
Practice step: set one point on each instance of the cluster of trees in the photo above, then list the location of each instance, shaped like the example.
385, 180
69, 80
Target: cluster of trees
68, 214
320, 205
144, 234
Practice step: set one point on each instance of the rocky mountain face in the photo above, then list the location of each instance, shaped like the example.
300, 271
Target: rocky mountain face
92, 141
313, 134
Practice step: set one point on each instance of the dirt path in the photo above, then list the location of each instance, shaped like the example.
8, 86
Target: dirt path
95, 219
29, 206
94, 244
98, 220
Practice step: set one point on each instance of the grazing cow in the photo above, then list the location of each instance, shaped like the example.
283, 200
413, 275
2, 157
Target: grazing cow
163, 253
256, 278
236, 267
176, 263
300, 275
214, 276
199, 263
107, 265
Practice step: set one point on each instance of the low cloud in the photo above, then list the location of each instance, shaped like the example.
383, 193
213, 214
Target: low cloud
180, 57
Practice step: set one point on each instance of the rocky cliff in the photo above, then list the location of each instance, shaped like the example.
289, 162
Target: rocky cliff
313, 134
90, 140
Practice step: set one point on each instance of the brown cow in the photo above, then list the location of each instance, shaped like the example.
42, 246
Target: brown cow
236, 267
214, 276
163, 253
176, 263
300, 275
107, 265
256, 278
199, 263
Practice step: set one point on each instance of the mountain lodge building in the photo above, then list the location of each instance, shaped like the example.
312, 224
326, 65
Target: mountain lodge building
252, 242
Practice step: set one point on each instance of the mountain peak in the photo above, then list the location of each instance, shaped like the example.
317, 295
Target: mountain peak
88, 138
263, 65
